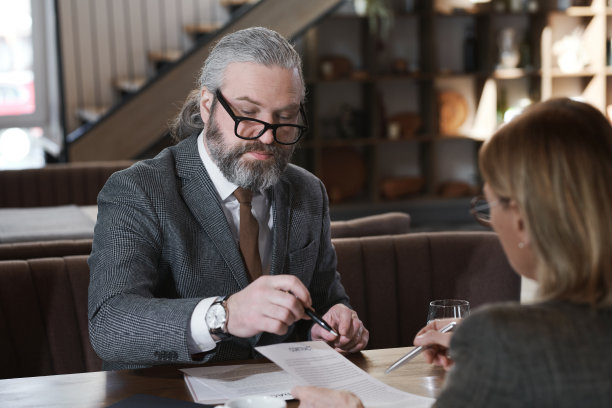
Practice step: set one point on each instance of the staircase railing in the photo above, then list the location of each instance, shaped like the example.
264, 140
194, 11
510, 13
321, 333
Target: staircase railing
110, 49
141, 120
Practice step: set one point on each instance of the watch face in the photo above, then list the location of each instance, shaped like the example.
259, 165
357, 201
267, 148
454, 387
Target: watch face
215, 317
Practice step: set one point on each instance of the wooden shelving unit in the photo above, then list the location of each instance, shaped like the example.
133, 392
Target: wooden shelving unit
590, 82
404, 73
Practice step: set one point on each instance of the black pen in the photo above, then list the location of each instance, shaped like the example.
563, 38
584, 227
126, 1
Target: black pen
319, 320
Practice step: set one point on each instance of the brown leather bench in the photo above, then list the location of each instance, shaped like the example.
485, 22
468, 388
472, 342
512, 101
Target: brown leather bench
390, 279
45, 249
56, 184
381, 224
43, 317
389, 223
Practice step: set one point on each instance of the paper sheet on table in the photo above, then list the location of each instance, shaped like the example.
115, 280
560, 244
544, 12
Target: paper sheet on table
213, 385
316, 363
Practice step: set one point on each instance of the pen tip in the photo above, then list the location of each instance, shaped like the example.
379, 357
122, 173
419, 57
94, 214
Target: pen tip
332, 331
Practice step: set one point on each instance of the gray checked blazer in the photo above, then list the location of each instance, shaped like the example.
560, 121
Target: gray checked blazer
162, 244
547, 355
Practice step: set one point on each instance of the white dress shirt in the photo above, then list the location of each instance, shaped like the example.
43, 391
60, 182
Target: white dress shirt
200, 339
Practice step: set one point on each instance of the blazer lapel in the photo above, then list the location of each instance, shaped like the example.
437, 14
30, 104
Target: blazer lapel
281, 213
202, 199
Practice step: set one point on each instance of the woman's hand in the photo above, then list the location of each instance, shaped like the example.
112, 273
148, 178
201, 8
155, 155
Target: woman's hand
316, 397
435, 343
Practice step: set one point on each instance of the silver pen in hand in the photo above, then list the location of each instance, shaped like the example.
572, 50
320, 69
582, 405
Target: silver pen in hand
417, 350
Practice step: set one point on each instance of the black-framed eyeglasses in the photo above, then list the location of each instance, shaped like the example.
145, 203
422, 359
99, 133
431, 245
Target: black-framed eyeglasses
250, 128
480, 208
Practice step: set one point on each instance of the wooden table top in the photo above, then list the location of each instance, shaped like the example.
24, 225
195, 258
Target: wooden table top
103, 388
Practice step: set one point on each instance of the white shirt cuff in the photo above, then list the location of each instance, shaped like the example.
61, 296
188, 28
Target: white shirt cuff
199, 338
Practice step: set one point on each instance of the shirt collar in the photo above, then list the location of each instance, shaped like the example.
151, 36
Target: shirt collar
224, 187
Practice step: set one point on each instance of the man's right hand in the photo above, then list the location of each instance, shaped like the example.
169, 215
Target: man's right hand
269, 304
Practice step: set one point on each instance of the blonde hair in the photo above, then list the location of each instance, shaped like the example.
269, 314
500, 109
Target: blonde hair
555, 161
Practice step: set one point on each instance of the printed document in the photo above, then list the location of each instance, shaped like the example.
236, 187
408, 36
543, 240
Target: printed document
302, 363
316, 363
217, 384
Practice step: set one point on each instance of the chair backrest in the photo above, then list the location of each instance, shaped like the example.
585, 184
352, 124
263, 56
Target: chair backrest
392, 279
380, 224
56, 184
43, 317
45, 249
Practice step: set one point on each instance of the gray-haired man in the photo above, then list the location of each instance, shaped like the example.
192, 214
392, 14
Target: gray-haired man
169, 282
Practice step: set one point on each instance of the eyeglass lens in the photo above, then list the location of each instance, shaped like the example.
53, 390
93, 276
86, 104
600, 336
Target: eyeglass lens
482, 210
252, 129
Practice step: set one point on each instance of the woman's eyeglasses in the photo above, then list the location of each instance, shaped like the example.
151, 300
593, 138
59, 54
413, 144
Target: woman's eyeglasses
480, 208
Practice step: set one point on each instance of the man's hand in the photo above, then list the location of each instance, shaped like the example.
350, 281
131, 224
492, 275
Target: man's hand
436, 344
315, 397
269, 304
353, 335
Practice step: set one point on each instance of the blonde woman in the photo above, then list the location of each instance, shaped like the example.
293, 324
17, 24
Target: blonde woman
548, 191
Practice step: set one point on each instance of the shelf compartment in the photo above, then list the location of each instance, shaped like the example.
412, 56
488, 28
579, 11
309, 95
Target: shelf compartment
577, 11
557, 73
515, 73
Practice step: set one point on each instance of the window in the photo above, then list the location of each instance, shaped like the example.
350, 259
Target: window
29, 120
17, 96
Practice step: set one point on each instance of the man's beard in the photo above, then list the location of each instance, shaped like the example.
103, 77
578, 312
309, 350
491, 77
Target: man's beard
254, 175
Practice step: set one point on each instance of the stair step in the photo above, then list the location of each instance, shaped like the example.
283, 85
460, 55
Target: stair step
165, 56
201, 29
130, 85
236, 3
91, 113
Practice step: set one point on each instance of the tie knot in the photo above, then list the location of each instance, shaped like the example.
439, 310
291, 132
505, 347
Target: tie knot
244, 196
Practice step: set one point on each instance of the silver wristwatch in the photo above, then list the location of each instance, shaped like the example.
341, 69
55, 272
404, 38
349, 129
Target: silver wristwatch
216, 318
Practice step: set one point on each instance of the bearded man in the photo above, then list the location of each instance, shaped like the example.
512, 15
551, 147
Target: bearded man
218, 244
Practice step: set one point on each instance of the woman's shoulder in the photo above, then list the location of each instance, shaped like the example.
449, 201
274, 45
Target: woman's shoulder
497, 313
512, 323
489, 322
517, 312
531, 355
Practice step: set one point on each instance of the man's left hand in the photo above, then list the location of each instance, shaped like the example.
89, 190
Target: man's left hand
353, 336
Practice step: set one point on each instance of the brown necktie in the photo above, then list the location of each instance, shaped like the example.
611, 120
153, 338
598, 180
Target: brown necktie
249, 233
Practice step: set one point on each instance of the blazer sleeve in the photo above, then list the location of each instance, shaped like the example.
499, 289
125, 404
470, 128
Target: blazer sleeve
485, 372
127, 323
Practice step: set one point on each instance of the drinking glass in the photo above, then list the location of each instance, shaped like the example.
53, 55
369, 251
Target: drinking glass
448, 308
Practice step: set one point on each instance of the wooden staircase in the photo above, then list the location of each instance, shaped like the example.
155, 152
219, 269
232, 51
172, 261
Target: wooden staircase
138, 125
160, 59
